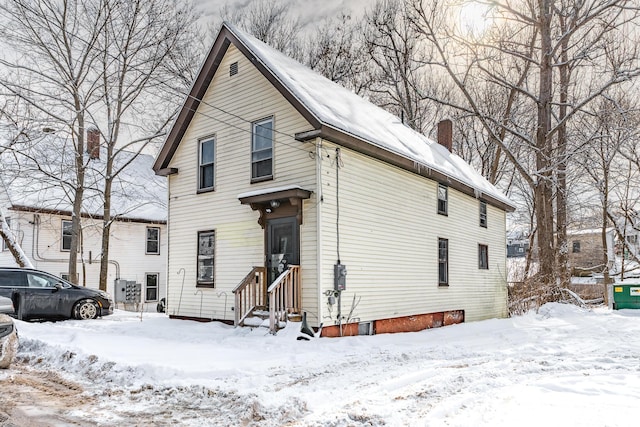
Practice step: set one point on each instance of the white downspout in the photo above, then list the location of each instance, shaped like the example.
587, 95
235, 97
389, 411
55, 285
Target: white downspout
319, 227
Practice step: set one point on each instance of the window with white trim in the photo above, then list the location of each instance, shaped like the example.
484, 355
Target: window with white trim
206, 163
66, 235
262, 150
443, 196
4, 244
206, 258
151, 286
153, 241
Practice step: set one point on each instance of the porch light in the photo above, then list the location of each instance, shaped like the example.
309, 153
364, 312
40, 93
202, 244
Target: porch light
274, 204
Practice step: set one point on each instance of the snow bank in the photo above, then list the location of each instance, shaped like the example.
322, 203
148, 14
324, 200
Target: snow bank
560, 366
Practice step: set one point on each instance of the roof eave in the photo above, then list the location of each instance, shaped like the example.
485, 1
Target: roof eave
349, 141
201, 84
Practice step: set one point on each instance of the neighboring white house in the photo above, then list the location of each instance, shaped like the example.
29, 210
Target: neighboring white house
280, 178
38, 209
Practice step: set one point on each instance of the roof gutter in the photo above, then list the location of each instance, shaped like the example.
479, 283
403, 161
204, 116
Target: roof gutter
348, 141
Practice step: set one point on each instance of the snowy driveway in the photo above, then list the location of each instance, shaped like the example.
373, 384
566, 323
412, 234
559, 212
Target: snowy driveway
560, 367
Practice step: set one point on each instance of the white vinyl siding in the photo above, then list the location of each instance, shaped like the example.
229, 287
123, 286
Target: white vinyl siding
239, 237
388, 241
127, 250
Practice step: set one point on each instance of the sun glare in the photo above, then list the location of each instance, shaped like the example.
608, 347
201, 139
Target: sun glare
475, 18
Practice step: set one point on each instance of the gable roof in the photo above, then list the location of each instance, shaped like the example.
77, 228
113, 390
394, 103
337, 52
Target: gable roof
137, 193
336, 114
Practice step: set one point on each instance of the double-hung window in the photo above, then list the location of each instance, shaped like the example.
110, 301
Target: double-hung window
443, 262
151, 288
442, 199
4, 244
153, 241
483, 214
483, 257
206, 162
262, 150
66, 235
206, 258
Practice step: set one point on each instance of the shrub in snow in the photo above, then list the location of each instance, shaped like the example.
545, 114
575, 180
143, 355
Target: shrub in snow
8, 341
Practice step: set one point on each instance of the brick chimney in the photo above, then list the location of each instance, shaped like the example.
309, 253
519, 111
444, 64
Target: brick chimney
93, 143
445, 134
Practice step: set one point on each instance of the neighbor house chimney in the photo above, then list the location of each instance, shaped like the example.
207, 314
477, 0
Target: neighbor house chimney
445, 134
93, 143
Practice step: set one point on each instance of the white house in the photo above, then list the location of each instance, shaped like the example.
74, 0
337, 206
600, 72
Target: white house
38, 208
280, 181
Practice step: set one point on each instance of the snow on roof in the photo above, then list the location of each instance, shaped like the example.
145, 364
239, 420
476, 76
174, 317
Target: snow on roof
588, 231
137, 193
342, 109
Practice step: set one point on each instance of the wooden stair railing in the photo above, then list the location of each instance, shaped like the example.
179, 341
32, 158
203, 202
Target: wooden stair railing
250, 294
284, 297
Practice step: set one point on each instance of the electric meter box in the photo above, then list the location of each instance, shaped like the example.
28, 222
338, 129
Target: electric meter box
127, 291
340, 277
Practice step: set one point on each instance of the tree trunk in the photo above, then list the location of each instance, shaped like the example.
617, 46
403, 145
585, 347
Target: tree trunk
76, 216
543, 191
12, 244
605, 258
106, 232
561, 193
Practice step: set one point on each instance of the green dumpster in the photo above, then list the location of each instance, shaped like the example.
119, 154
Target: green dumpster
626, 296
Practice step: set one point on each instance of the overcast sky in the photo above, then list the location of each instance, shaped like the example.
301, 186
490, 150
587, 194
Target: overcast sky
308, 10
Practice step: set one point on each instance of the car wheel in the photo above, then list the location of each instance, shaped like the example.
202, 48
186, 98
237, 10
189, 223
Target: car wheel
86, 309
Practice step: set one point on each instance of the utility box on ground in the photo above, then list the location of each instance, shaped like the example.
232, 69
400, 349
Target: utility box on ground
127, 291
626, 296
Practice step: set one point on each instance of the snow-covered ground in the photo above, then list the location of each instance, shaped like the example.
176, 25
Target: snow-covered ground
562, 366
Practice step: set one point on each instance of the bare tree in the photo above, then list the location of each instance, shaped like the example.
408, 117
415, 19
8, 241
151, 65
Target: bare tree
53, 72
336, 50
98, 65
140, 43
398, 81
270, 21
532, 53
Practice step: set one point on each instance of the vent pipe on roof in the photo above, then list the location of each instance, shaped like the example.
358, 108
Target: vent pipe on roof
93, 143
445, 134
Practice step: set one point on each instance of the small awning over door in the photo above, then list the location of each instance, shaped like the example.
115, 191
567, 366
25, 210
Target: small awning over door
268, 200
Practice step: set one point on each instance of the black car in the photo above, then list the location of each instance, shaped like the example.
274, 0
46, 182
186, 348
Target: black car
39, 295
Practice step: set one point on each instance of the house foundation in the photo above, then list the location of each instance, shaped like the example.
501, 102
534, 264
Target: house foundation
412, 323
